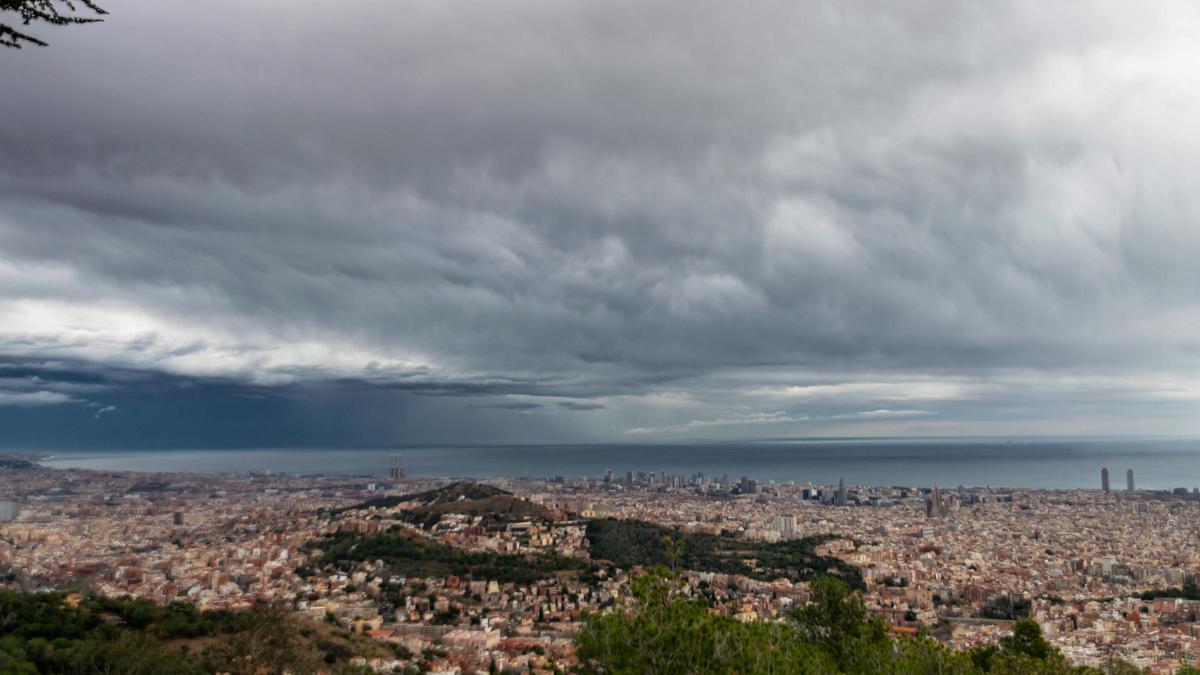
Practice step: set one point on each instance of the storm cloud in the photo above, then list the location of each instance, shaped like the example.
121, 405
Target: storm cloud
608, 220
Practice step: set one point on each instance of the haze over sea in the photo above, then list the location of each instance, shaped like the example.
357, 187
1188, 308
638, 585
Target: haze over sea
1036, 463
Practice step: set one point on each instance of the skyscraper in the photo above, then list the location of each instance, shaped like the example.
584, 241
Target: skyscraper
1104, 479
1129, 480
395, 468
841, 493
934, 508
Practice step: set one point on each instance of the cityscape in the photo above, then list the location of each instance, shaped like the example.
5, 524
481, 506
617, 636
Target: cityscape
601, 337
962, 564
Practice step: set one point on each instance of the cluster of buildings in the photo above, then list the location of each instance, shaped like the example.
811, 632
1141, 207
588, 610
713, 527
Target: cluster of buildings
474, 624
964, 562
230, 541
221, 542
960, 562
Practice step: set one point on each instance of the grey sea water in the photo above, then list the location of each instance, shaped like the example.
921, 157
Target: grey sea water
1053, 463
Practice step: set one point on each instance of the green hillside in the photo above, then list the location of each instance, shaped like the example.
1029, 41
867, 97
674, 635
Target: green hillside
408, 554
634, 542
497, 507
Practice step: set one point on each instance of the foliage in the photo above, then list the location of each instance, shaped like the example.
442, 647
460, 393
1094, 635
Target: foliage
836, 621
457, 491
44, 11
44, 633
1004, 607
463, 490
666, 633
1189, 591
665, 630
634, 542
496, 507
494, 512
1027, 639
408, 554
271, 642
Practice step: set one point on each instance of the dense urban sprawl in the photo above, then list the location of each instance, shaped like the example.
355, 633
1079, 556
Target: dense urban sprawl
1095, 568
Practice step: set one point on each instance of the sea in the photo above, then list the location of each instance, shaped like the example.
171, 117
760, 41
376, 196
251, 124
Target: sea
1164, 463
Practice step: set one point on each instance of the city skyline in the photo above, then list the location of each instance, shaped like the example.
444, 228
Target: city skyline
603, 336
1099, 574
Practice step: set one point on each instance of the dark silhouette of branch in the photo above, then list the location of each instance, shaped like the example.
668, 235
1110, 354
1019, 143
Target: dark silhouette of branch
54, 12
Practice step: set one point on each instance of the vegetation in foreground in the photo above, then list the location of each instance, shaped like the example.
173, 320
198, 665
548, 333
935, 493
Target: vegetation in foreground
634, 542
666, 631
43, 11
50, 633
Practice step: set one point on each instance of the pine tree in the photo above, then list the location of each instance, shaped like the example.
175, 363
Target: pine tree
54, 12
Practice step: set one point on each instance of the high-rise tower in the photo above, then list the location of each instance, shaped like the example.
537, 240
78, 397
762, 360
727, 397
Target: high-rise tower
935, 507
395, 467
1129, 480
1104, 479
841, 493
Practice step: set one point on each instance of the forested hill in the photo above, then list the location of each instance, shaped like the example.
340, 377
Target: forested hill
454, 492
495, 506
406, 554
633, 542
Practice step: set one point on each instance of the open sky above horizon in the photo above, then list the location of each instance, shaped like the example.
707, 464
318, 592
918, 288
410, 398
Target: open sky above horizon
427, 221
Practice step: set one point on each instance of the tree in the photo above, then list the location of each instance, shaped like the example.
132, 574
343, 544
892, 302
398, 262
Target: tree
836, 620
666, 633
1027, 639
675, 548
54, 12
271, 643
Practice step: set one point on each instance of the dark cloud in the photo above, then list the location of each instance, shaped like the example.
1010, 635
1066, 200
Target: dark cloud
709, 220
519, 406
575, 405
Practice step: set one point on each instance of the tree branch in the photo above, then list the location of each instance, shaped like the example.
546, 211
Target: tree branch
45, 11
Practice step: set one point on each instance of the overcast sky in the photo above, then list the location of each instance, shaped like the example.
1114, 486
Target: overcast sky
242, 223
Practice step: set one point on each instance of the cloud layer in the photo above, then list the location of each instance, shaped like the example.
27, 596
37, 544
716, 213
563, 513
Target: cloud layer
616, 219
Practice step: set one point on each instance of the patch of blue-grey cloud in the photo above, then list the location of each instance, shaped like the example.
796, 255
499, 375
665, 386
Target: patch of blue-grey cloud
424, 222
